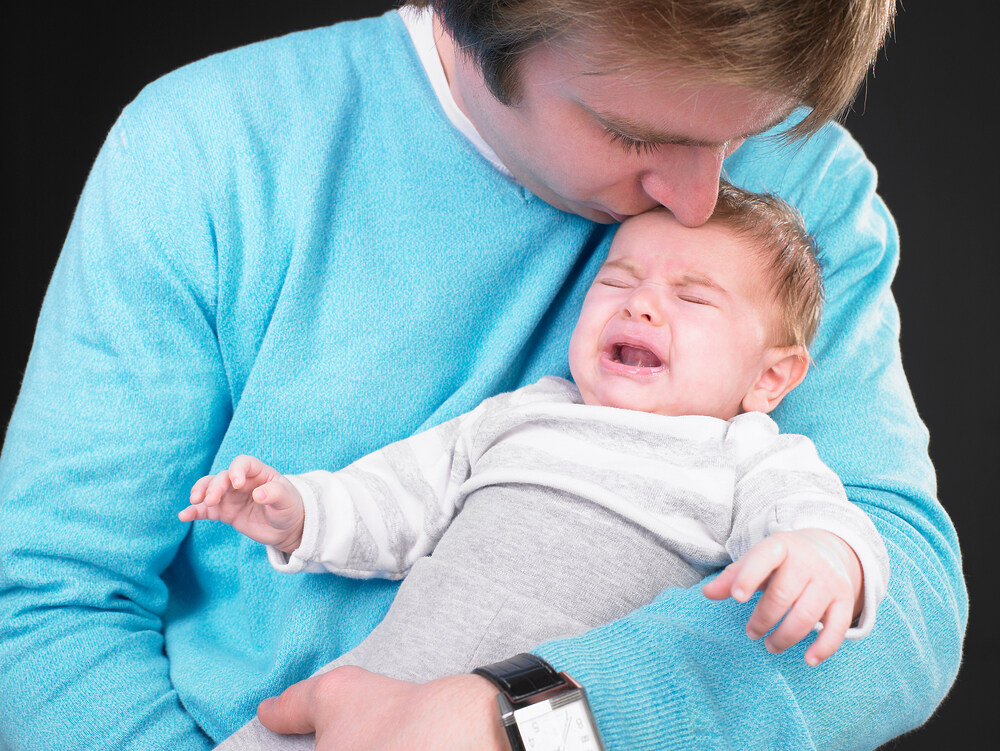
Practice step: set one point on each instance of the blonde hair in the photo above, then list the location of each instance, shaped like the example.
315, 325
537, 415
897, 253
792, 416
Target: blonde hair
814, 51
787, 254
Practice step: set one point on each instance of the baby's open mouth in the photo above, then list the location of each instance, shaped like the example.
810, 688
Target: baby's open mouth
634, 357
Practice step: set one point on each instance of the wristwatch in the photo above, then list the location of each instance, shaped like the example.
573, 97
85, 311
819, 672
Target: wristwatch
541, 710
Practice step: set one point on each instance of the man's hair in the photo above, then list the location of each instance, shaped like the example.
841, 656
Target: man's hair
815, 51
787, 256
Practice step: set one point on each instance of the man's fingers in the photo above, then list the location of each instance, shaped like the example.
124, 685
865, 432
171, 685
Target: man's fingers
291, 712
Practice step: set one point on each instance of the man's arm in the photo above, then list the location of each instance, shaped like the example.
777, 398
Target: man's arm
681, 672
122, 407
691, 672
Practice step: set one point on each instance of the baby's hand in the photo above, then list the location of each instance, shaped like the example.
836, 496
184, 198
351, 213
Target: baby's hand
807, 577
255, 499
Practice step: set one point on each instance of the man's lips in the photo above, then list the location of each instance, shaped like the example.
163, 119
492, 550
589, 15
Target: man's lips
605, 210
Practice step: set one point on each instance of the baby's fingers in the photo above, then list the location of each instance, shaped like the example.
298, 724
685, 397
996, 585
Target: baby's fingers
242, 467
783, 589
721, 586
193, 512
217, 487
807, 610
270, 493
757, 565
199, 488
835, 625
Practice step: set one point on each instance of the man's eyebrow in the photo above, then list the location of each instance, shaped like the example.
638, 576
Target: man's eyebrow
641, 132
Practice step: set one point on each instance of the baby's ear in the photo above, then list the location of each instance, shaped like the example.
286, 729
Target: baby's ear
784, 369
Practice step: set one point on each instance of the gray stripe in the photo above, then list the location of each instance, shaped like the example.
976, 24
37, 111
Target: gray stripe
400, 534
653, 445
364, 551
407, 469
765, 488
646, 493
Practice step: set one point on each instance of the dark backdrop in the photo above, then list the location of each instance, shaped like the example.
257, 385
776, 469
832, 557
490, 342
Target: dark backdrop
69, 70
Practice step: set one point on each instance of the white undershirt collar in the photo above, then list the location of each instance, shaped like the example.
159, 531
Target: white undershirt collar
419, 23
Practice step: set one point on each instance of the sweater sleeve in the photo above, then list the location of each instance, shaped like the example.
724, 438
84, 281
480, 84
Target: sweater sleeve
783, 486
681, 673
122, 407
380, 514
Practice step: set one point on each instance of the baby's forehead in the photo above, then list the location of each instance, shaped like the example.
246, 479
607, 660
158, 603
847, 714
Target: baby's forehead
656, 244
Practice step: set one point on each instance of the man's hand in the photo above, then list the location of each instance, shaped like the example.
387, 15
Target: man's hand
807, 576
255, 499
351, 709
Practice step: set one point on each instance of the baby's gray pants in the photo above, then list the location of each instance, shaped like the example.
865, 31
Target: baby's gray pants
519, 565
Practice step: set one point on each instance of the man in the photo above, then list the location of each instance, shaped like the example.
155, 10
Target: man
277, 220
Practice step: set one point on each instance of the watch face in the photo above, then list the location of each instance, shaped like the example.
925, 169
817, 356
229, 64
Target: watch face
564, 728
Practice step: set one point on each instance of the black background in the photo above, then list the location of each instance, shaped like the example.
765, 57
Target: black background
69, 70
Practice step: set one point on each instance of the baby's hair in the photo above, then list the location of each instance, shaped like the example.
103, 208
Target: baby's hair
787, 254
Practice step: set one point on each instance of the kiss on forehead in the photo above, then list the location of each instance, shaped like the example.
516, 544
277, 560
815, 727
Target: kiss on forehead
675, 323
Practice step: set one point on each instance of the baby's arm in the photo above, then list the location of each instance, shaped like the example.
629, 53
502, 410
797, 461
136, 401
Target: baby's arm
807, 576
255, 499
783, 497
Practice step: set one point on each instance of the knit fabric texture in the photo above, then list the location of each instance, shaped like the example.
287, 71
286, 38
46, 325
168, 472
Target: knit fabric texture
286, 250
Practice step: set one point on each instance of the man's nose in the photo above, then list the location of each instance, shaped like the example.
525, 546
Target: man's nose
685, 179
643, 305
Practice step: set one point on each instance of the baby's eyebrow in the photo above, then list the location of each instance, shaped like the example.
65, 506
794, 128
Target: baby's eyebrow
684, 279
625, 265
693, 278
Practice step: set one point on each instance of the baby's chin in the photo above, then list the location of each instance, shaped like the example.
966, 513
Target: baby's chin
626, 398
637, 399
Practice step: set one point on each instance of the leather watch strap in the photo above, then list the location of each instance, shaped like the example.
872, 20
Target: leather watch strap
522, 676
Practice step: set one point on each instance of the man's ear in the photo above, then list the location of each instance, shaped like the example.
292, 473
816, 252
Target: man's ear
784, 369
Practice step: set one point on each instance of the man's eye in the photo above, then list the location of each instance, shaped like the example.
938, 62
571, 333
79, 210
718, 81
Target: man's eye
631, 144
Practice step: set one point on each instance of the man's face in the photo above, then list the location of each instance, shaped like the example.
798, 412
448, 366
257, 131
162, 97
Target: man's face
673, 323
611, 145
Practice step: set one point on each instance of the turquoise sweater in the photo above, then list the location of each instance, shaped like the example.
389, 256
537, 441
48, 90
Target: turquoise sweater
286, 250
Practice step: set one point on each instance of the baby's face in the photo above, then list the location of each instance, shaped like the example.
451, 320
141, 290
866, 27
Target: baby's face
672, 323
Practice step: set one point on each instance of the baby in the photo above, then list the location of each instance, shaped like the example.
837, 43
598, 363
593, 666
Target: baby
562, 506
